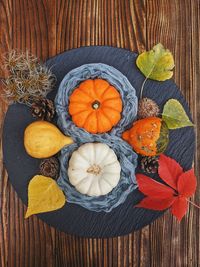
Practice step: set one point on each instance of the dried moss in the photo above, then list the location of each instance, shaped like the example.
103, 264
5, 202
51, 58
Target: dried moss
28, 79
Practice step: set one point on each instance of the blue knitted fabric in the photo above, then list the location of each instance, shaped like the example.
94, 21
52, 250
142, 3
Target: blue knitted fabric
125, 154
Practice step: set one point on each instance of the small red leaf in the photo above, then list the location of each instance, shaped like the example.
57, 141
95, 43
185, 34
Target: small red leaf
156, 203
169, 170
152, 188
187, 183
160, 196
179, 207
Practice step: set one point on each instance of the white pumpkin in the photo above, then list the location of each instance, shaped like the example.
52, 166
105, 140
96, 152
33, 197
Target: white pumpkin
94, 169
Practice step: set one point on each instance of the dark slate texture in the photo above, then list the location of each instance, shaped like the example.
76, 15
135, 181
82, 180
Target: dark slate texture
72, 218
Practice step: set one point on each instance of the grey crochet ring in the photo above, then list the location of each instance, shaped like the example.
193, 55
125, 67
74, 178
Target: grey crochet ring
126, 185
73, 218
125, 154
92, 71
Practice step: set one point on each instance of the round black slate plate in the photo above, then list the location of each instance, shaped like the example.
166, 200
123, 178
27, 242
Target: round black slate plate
72, 218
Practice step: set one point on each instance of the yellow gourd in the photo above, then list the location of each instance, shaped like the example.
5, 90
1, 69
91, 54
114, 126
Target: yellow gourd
43, 139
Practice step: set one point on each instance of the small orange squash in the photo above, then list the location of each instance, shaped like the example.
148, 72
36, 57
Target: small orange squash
148, 137
95, 106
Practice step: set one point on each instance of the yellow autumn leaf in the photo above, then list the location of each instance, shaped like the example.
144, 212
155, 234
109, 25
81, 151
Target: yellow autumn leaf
43, 195
156, 64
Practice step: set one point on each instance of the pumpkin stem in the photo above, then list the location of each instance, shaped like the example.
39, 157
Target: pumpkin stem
94, 169
96, 104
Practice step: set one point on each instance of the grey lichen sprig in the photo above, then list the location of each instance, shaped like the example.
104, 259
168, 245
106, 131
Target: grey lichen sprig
28, 79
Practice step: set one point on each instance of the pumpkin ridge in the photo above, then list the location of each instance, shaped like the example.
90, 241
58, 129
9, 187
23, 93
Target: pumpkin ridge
108, 182
89, 186
111, 125
82, 120
98, 182
83, 156
102, 95
95, 113
110, 98
114, 103
97, 121
78, 168
81, 112
85, 118
105, 181
103, 157
111, 163
108, 107
78, 102
110, 172
102, 111
88, 117
78, 112
86, 177
85, 93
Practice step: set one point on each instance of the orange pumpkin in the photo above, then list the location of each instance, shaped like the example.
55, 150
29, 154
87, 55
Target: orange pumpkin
148, 137
95, 106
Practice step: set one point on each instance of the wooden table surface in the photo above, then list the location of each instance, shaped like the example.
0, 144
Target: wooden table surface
48, 27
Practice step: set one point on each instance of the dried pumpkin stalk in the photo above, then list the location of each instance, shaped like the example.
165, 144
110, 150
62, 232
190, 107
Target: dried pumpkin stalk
28, 79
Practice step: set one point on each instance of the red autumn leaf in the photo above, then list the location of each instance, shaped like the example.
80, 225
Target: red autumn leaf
152, 188
187, 183
160, 196
169, 170
156, 203
179, 207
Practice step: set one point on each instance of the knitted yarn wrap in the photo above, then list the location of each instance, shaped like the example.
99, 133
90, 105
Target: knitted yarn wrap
126, 156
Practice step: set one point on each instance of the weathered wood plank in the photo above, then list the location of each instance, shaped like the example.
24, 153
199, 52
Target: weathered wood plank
24, 25
175, 25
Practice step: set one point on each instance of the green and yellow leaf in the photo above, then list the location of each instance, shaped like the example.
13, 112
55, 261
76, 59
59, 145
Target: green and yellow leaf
174, 115
156, 64
43, 195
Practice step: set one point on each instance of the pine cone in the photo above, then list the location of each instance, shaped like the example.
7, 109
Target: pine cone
147, 108
43, 109
149, 164
50, 167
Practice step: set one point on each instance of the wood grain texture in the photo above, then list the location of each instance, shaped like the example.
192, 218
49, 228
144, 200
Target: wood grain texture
48, 27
